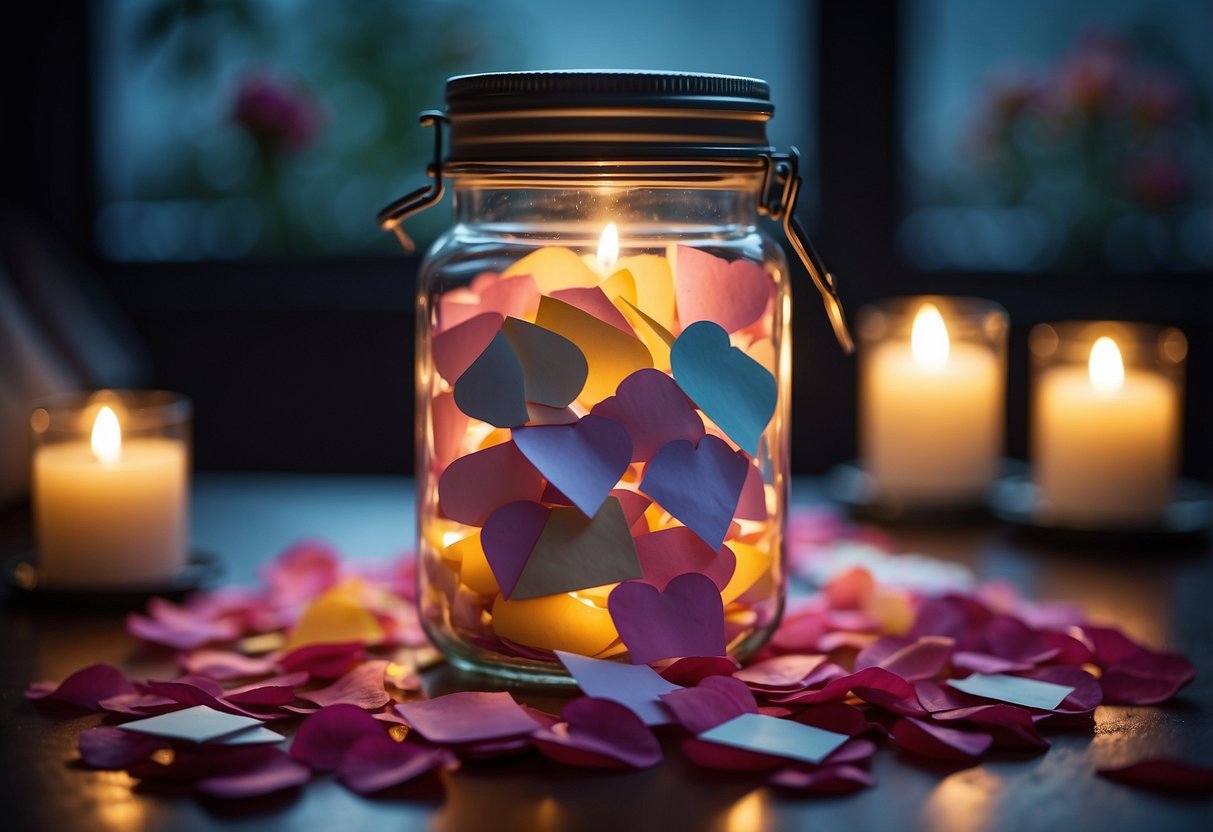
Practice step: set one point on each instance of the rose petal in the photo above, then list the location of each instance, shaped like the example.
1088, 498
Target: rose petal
1072, 648
111, 748
1163, 774
192, 763
1110, 645
322, 661
85, 688
377, 762
929, 740
276, 773
692, 670
851, 751
599, 733
325, 736
271, 692
1087, 692
302, 572
727, 758
468, 716
912, 660
1010, 726
190, 695
716, 700
837, 717
874, 684
783, 673
1146, 678
226, 664
139, 704
180, 627
985, 663
362, 686
1010, 638
799, 632
839, 779
850, 589
935, 697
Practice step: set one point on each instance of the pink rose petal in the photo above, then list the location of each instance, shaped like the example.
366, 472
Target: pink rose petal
850, 589
826, 780
325, 736
268, 693
188, 693
685, 619
139, 704
226, 664
85, 688
1010, 726
927, 739
1163, 774
107, 747
692, 670
362, 686
599, 733
712, 703
377, 762
175, 626
852, 751
322, 661
986, 663
668, 553
1146, 678
912, 660
467, 716
1010, 638
874, 684
276, 773
783, 673
302, 572
799, 632
654, 410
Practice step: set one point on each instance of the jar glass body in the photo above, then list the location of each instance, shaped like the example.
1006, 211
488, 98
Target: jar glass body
539, 252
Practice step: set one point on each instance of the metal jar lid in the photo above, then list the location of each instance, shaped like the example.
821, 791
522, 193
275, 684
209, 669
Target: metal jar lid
606, 115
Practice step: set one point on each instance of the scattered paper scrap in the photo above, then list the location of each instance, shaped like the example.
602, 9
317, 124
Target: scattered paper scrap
777, 737
635, 686
197, 724
1014, 689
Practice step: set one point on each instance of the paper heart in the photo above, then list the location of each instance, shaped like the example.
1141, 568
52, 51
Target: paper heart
732, 294
522, 363
593, 301
583, 461
654, 410
611, 355
698, 484
732, 389
666, 554
685, 619
574, 552
456, 348
474, 486
509, 537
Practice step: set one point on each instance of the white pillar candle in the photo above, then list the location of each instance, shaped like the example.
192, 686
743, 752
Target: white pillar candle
1105, 442
109, 512
931, 421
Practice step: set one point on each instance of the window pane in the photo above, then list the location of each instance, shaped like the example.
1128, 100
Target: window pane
279, 127
1046, 135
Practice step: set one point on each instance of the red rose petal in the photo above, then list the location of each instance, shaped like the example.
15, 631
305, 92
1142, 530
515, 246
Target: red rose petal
874, 684
1087, 692
325, 736
692, 670
599, 733
268, 693
1110, 645
1010, 726
322, 661
1071, 647
826, 780
850, 752
468, 716
912, 660
1010, 638
783, 673
188, 693
1163, 774
936, 697
929, 740
362, 686
837, 717
226, 664
715, 701
1146, 678
276, 773
191, 763
377, 762
727, 758
85, 688
111, 748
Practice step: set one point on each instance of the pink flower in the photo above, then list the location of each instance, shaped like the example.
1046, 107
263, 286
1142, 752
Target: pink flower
1157, 181
279, 114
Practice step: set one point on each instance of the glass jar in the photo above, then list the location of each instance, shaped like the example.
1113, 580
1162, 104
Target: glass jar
603, 371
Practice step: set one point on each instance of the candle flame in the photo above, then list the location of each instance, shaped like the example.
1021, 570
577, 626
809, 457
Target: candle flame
1106, 367
107, 436
608, 247
929, 338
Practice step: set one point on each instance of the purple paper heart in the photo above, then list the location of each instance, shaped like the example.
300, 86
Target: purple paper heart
654, 410
687, 619
509, 537
699, 485
584, 460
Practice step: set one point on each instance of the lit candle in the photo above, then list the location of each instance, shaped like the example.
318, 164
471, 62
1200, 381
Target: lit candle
109, 511
931, 408
1105, 441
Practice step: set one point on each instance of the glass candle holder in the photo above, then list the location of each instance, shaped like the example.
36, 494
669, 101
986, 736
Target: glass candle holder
932, 387
110, 488
603, 371
1106, 428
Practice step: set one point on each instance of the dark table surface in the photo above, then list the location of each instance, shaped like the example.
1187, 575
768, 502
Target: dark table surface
1163, 598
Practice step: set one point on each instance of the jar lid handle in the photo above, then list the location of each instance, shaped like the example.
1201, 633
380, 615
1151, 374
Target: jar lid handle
783, 173
392, 217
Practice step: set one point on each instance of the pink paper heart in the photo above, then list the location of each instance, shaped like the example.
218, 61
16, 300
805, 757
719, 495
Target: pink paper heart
456, 348
509, 537
474, 486
592, 300
654, 410
708, 288
666, 554
584, 460
698, 484
686, 619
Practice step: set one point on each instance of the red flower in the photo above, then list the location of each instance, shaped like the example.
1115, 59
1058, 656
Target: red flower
280, 115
